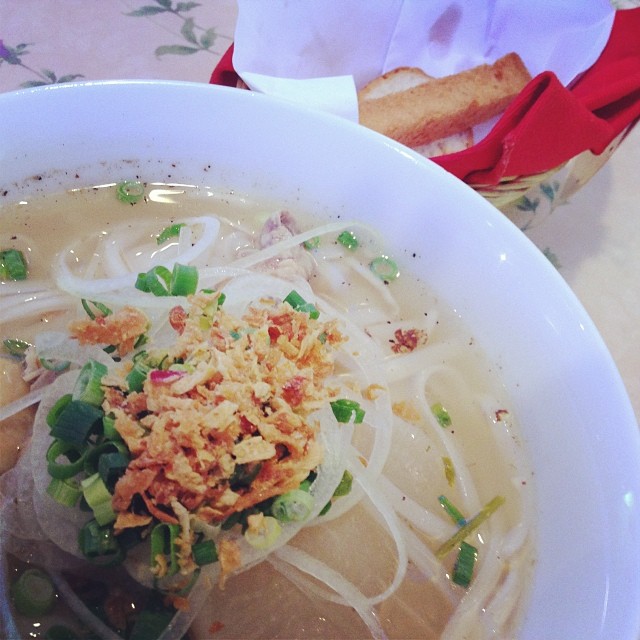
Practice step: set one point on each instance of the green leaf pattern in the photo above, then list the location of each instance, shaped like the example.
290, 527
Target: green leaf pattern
196, 39
14, 56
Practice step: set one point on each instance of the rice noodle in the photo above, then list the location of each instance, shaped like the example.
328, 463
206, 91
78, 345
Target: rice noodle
253, 259
471, 500
414, 513
80, 610
384, 511
411, 523
347, 591
119, 246
28, 400
425, 560
20, 308
19, 287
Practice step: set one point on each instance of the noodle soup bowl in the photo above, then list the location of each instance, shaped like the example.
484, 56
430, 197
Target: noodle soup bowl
578, 429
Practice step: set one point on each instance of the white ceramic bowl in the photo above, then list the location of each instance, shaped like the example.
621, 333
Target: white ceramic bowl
578, 423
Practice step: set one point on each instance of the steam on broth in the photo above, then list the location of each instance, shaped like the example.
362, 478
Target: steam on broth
437, 444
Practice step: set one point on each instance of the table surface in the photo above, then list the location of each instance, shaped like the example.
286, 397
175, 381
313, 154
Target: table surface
594, 239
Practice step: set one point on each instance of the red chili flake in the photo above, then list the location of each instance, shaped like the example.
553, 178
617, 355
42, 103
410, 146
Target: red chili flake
500, 414
293, 390
178, 319
407, 340
215, 627
284, 323
246, 426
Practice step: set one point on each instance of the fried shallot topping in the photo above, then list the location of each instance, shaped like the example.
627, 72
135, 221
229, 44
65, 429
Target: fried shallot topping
120, 329
225, 422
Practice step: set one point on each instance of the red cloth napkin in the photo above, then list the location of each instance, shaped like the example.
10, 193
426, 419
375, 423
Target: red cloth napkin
547, 124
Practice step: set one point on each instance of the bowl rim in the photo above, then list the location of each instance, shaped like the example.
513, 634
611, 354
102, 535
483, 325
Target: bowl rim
492, 222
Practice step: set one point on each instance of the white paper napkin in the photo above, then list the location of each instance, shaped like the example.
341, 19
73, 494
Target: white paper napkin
319, 52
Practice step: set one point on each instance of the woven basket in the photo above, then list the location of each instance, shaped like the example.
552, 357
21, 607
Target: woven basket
528, 200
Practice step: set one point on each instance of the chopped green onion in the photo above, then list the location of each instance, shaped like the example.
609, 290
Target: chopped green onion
266, 535
345, 485
231, 521
172, 231
54, 365
344, 488
101, 308
465, 563
60, 632
184, 280
452, 511
138, 374
348, 239
99, 544
111, 466
16, 347
74, 454
109, 428
88, 387
13, 265
97, 496
293, 506
344, 409
449, 470
385, 268
66, 492
155, 281
441, 415
159, 281
312, 243
467, 529
130, 191
76, 421
105, 447
141, 340
163, 543
33, 593
204, 552
150, 624
300, 304
56, 410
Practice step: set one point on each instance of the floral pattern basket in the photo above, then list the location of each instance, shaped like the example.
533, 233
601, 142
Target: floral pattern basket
528, 200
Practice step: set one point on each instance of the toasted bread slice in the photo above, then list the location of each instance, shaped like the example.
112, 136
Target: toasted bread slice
404, 78
440, 107
399, 79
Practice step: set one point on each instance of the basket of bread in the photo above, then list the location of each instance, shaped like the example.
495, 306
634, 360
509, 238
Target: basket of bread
523, 104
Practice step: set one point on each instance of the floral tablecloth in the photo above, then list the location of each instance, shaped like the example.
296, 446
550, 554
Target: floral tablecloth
593, 239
